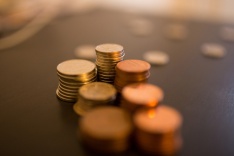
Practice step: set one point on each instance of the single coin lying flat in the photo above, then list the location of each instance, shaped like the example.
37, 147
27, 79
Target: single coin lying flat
156, 57
85, 51
213, 50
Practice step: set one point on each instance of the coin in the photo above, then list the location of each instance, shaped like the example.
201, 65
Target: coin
158, 130
213, 50
156, 57
75, 67
86, 51
227, 33
97, 91
108, 55
176, 31
109, 48
151, 95
72, 75
140, 26
106, 129
133, 66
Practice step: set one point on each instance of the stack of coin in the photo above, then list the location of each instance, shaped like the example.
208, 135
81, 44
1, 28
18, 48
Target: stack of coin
93, 95
150, 96
72, 75
131, 71
158, 130
106, 129
108, 55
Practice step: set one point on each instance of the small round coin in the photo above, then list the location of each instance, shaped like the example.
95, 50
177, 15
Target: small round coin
76, 67
162, 119
213, 50
150, 95
85, 51
98, 91
109, 48
156, 57
133, 66
227, 33
176, 31
106, 123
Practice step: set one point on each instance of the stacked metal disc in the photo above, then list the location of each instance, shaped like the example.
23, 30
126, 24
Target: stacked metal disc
131, 71
94, 95
106, 129
138, 95
158, 130
72, 75
108, 55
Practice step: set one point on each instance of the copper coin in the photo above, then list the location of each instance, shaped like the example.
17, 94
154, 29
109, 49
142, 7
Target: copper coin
162, 119
133, 66
106, 123
150, 94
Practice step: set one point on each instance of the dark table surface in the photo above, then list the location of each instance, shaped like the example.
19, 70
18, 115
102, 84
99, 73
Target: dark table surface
33, 122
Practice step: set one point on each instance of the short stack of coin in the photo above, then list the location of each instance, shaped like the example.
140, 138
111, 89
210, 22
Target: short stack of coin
106, 129
108, 55
138, 95
94, 95
158, 130
131, 71
72, 75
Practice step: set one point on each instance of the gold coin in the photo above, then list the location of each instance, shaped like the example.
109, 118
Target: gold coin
109, 48
75, 67
98, 91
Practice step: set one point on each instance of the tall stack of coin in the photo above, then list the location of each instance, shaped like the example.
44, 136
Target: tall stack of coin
93, 95
138, 95
72, 75
131, 71
108, 55
106, 129
158, 130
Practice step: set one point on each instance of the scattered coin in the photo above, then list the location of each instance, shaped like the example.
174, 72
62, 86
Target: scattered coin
140, 27
131, 71
158, 130
85, 52
108, 55
93, 95
72, 75
106, 129
156, 57
227, 33
176, 31
150, 96
213, 50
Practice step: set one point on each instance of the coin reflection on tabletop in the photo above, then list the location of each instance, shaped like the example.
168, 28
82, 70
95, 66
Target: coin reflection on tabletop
158, 130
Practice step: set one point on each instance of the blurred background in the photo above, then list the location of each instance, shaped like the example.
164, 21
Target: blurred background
32, 15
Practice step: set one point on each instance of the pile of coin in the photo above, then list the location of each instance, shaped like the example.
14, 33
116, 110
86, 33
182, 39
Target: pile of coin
158, 130
108, 55
138, 95
72, 75
131, 71
106, 129
93, 95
